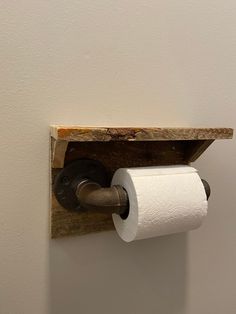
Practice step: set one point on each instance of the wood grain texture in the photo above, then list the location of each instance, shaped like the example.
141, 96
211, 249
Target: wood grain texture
113, 155
65, 222
58, 151
195, 149
76, 133
117, 148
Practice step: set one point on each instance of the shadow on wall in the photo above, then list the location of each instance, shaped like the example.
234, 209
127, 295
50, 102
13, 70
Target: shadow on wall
99, 273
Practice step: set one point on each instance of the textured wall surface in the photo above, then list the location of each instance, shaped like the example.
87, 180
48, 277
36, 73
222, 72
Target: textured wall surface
114, 63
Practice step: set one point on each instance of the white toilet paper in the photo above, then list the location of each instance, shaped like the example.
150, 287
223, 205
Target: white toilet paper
163, 200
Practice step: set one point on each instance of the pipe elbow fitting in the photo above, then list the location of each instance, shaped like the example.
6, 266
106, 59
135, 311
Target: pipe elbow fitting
93, 197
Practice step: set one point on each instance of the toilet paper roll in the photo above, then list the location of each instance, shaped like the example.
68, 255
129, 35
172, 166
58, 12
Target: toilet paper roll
162, 200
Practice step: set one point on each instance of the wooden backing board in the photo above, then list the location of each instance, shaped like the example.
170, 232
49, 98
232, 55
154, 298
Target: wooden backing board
116, 148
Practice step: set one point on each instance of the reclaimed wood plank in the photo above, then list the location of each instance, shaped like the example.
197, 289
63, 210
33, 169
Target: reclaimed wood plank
116, 148
195, 149
58, 151
113, 155
76, 133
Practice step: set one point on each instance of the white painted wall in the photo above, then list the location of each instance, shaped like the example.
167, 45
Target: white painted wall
107, 62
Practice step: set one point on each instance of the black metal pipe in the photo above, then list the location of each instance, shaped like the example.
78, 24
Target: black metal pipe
207, 188
114, 199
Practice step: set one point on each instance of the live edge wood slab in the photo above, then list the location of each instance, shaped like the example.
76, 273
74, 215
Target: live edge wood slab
116, 148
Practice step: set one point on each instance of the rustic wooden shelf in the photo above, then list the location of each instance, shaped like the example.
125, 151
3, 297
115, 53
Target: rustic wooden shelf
116, 148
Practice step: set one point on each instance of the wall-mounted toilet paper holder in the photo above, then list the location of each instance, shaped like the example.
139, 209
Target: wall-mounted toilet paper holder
83, 185
84, 160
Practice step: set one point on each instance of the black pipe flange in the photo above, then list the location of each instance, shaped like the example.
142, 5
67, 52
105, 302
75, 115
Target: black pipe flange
67, 180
